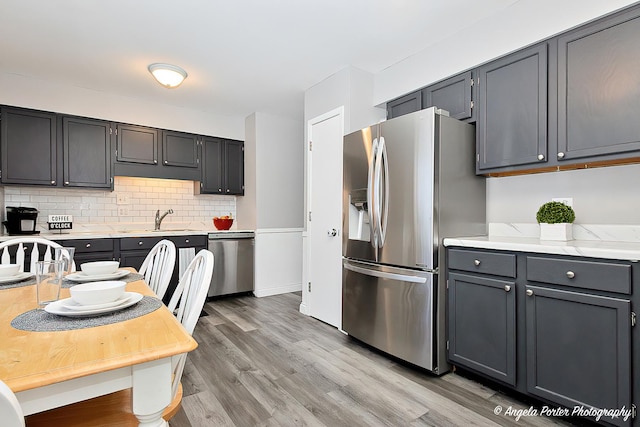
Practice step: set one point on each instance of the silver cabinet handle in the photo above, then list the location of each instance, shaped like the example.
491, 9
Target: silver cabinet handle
88, 245
540, 156
228, 190
571, 274
220, 190
560, 155
186, 240
507, 288
332, 233
155, 162
529, 292
139, 243
166, 162
53, 183
476, 262
66, 183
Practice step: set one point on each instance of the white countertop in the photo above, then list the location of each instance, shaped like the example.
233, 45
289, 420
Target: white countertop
520, 240
115, 234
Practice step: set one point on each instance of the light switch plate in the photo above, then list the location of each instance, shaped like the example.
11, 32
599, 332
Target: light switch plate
566, 200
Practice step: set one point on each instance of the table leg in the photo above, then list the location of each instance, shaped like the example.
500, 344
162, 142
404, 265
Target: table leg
151, 391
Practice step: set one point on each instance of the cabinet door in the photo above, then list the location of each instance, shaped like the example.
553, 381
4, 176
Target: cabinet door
453, 95
599, 89
234, 167
482, 325
28, 147
133, 258
212, 166
512, 115
578, 348
180, 149
137, 144
404, 105
86, 152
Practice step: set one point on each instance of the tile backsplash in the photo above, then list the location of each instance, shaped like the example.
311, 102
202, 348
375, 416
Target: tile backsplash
133, 202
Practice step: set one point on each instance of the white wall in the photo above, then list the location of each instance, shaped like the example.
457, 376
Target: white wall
600, 196
28, 92
279, 172
273, 201
523, 23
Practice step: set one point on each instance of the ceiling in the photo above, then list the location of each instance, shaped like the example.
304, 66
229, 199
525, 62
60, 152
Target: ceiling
242, 56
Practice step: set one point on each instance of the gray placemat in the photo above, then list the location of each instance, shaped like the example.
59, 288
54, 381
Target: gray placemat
131, 277
40, 321
26, 282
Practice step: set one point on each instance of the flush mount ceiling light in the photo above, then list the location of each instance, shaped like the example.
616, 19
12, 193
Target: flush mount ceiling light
168, 75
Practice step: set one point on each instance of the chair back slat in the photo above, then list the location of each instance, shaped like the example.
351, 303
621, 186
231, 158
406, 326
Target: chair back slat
188, 300
158, 266
10, 409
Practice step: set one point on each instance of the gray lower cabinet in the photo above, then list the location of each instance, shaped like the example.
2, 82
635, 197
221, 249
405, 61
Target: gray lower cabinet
512, 110
454, 94
87, 250
86, 152
578, 348
28, 147
557, 328
482, 325
599, 90
404, 105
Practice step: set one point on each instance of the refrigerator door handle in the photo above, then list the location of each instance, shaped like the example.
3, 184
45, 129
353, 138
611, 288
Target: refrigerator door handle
382, 185
384, 274
371, 200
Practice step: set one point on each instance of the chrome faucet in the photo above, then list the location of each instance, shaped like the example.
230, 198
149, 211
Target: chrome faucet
159, 218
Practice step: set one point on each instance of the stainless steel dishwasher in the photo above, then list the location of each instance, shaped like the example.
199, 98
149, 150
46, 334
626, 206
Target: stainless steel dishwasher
232, 262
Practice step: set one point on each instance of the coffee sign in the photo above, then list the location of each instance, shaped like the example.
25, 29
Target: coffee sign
60, 222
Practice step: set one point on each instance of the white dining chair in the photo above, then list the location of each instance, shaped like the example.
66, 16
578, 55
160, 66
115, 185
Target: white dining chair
10, 409
22, 244
115, 409
158, 266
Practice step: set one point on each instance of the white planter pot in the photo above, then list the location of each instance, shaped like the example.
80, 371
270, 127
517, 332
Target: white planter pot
559, 232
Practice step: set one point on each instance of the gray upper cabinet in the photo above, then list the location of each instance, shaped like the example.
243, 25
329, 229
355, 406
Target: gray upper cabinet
180, 149
512, 111
234, 163
599, 89
28, 141
212, 181
140, 153
404, 105
454, 95
137, 144
87, 147
222, 166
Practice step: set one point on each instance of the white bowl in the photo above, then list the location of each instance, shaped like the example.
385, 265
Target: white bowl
8, 270
93, 293
99, 268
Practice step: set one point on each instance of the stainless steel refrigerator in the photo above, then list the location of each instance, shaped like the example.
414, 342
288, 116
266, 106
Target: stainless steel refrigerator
409, 182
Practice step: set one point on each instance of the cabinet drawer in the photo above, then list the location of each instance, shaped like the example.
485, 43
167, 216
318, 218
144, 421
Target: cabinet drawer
602, 276
133, 243
89, 245
498, 264
189, 241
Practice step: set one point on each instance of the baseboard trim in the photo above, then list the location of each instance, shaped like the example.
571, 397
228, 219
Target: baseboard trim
278, 290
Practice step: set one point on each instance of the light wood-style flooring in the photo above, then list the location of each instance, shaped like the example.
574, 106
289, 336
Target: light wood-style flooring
262, 363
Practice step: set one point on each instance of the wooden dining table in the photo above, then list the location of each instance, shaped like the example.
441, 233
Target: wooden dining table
51, 369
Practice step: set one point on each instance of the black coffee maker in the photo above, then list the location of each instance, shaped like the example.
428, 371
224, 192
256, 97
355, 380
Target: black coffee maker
21, 220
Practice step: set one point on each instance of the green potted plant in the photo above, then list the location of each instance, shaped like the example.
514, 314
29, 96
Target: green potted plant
555, 219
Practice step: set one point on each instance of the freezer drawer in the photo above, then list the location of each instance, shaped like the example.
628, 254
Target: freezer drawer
232, 265
391, 309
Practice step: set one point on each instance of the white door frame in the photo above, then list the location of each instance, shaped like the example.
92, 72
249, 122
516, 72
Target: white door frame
306, 279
